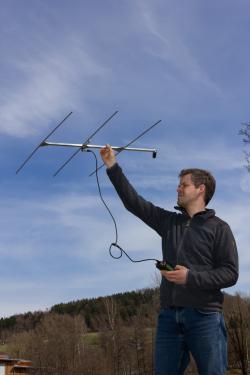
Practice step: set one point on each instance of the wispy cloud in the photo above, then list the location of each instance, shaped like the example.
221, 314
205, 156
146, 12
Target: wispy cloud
221, 159
50, 84
172, 49
60, 247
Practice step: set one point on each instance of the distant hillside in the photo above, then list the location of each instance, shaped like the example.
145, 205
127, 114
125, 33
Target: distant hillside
128, 305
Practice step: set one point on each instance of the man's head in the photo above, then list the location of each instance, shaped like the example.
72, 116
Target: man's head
195, 184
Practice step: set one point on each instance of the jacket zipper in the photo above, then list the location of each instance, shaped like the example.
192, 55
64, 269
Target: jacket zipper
187, 225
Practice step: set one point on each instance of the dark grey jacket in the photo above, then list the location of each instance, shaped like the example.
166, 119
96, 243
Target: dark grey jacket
204, 244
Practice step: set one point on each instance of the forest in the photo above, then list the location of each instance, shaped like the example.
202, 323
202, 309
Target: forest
111, 335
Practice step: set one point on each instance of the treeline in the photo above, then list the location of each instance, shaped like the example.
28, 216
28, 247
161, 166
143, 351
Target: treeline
111, 335
61, 345
129, 304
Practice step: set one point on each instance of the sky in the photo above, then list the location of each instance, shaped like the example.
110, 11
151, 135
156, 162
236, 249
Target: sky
185, 63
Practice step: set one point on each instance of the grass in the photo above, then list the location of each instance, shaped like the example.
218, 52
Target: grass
92, 338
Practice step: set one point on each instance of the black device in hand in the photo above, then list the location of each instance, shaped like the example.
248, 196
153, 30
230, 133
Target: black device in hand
164, 265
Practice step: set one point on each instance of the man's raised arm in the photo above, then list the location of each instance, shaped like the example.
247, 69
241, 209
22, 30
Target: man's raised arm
152, 215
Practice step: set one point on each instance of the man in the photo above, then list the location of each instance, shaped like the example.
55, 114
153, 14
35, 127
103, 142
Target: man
202, 249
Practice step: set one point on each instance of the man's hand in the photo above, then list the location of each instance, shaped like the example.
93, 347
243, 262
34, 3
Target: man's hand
178, 276
108, 156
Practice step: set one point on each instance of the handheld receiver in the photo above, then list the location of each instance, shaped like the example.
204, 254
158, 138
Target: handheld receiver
164, 266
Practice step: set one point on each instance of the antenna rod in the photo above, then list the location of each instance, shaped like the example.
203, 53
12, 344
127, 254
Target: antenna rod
124, 148
40, 144
82, 146
88, 146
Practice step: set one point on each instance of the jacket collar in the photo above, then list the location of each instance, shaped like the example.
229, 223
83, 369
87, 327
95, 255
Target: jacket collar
203, 214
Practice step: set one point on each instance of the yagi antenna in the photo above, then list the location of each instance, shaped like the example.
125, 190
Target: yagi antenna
86, 145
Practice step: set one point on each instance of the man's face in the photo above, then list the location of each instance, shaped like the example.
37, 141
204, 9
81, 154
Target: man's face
187, 192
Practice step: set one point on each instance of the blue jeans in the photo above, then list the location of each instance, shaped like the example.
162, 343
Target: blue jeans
181, 331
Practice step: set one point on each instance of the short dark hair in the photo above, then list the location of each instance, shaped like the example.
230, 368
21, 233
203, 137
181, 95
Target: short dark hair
199, 177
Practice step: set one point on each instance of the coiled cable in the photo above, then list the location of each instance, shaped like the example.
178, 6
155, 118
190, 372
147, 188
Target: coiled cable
115, 243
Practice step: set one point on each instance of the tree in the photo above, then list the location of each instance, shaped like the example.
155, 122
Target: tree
245, 132
238, 326
55, 346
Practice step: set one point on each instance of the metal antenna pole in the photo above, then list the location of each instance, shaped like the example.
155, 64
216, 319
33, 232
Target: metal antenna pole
82, 146
40, 144
124, 148
89, 146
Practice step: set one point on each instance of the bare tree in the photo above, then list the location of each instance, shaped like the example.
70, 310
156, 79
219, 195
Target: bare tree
55, 346
111, 312
238, 324
141, 341
245, 133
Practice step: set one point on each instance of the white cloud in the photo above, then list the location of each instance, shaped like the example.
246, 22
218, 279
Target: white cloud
60, 248
224, 161
172, 49
50, 86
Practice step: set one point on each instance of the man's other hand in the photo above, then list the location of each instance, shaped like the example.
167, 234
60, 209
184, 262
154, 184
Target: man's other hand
177, 276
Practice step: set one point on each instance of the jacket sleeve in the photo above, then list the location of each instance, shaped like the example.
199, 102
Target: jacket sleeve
152, 215
226, 269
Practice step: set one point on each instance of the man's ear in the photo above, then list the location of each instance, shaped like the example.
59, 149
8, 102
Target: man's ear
202, 188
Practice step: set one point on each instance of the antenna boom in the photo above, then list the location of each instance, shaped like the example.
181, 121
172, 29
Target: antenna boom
83, 147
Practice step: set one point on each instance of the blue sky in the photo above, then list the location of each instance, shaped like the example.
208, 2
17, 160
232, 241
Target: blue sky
186, 63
